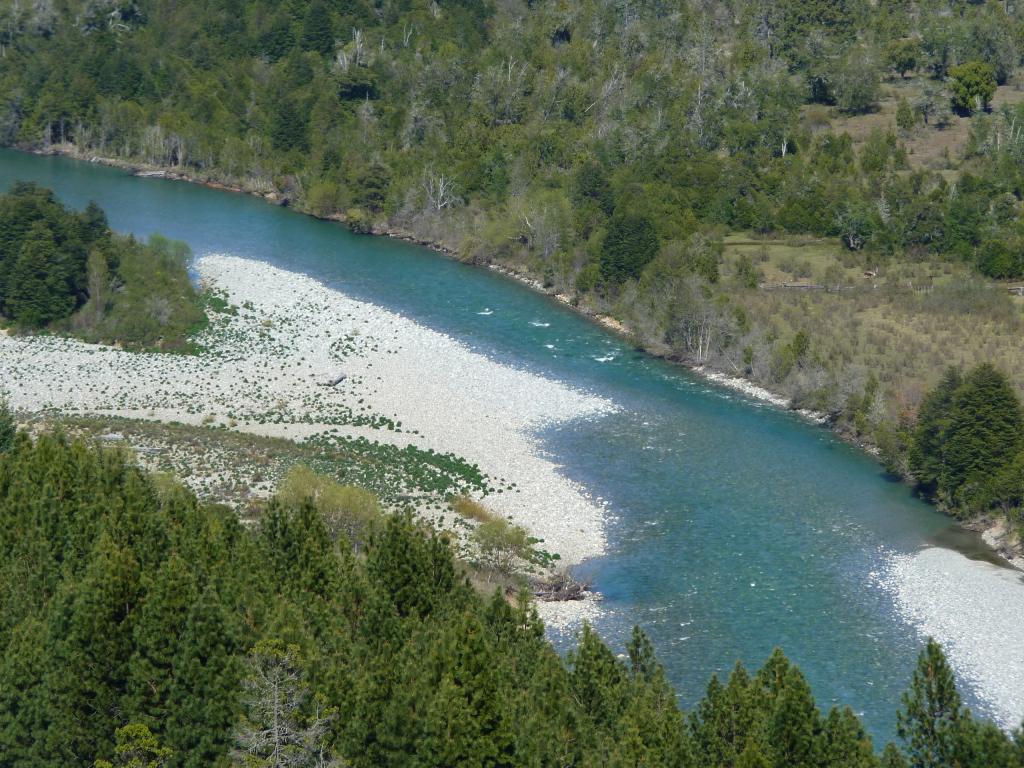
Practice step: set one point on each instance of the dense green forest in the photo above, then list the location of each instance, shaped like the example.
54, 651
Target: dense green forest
68, 271
140, 627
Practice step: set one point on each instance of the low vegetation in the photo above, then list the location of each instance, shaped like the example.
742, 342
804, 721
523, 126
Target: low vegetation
143, 627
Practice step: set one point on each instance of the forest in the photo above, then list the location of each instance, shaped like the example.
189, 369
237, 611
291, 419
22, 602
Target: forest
67, 271
140, 627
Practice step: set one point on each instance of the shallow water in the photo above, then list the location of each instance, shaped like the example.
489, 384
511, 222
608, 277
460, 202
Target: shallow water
736, 527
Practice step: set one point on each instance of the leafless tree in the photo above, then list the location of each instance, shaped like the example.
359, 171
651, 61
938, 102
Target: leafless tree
440, 191
275, 733
700, 327
359, 46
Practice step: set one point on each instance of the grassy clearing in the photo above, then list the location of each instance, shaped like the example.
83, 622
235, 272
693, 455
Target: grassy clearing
801, 260
929, 147
906, 327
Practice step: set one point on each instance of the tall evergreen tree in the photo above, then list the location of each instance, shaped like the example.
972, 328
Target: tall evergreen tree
37, 291
931, 712
795, 724
984, 431
204, 705
8, 426
629, 245
317, 34
927, 462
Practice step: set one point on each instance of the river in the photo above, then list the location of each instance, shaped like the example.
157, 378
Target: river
735, 527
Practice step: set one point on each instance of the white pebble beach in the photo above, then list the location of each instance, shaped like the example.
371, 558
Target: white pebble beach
976, 611
268, 370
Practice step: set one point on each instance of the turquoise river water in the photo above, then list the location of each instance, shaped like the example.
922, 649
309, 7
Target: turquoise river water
736, 527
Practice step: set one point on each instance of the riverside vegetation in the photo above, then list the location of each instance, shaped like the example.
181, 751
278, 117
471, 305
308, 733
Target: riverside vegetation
141, 627
67, 271
815, 195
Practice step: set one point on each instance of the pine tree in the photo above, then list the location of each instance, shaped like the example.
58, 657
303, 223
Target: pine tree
8, 426
157, 634
753, 756
728, 718
36, 286
652, 719
845, 743
203, 700
984, 431
414, 572
91, 636
794, 725
931, 712
926, 459
317, 34
892, 757
25, 709
629, 245
451, 733
597, 679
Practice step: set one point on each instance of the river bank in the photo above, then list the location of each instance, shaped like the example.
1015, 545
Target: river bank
269, 367
973, 609
989, 531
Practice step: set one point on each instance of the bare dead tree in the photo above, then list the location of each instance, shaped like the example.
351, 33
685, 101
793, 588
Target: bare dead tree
274, 731
358, 43
440, 191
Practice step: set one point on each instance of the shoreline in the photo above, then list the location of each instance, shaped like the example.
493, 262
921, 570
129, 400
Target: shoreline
973, 609
991, 533
265, 371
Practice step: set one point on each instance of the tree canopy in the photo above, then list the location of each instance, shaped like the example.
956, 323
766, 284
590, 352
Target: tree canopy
143, 628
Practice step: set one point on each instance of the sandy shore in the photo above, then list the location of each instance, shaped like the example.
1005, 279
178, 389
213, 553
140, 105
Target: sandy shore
976, 611
266, 369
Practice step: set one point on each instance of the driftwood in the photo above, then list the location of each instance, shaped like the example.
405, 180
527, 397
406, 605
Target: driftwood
333, 379
560, 588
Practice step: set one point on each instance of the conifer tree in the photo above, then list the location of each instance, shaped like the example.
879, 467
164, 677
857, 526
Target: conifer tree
36, 292
317, 34
597, 679
794, 725
203, 699
926, 458
845, 743
8, 426
157, 634
931, 711
91, 636
984, 432
892, 757
282, 727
